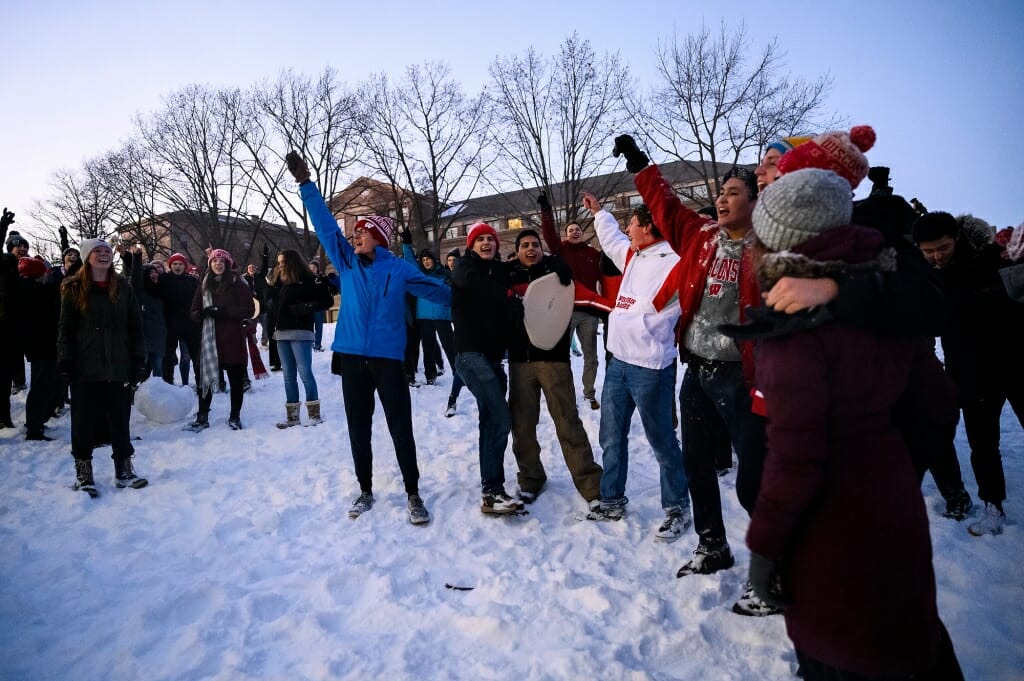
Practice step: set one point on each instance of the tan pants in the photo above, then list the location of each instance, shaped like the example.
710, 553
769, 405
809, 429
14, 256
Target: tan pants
526, 381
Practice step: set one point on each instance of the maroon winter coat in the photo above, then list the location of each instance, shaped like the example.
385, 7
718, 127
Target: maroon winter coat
840, 504
235, 298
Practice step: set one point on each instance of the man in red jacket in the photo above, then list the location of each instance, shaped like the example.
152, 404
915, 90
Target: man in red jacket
584, 261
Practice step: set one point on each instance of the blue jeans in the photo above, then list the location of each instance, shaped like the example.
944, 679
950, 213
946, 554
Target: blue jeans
649, 391
318, 329
297, 356
487, 381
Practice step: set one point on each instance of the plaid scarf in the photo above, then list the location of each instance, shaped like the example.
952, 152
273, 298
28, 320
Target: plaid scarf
209, 364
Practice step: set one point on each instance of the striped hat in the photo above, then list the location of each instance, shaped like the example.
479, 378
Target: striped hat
381, 226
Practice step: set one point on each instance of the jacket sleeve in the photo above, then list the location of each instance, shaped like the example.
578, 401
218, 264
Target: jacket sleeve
792, 374
408, 254
548, 231
334, 243
673, 219
614, 243
197, 305
429, 288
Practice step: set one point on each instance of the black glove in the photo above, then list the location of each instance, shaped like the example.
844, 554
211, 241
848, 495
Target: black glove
299, 309
266, 250
564, 275
297, 167
7, 220
543, 202
63, 231
140, 372
636, 160
66, 370
766, 580
212, 311
405, 236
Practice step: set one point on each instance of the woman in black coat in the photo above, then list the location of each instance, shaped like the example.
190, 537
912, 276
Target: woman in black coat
100, 351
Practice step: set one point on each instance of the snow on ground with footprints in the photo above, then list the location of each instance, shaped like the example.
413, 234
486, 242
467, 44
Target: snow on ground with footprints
238, 562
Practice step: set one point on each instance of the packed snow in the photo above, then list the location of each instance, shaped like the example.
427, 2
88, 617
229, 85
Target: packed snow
238, 562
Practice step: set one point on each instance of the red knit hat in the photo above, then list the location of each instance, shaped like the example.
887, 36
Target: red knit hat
478, 230
381, 226
840, 152
177, 257
31, 268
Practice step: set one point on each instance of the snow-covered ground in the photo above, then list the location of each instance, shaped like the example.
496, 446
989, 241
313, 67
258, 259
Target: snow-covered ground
239, 562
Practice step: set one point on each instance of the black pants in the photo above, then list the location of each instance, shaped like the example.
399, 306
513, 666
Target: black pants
360, 378
945, 667
6, 360
190, 337
713, 399
931, 449
42, 394
432, 330
983, 407
412, 350
95, 402
236, 378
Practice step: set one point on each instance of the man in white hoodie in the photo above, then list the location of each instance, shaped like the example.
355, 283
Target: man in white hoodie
641, 374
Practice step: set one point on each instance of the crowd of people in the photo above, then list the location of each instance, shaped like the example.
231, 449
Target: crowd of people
806, 323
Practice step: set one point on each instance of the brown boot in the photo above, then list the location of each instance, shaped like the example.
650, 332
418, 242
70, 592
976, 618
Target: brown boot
292, 409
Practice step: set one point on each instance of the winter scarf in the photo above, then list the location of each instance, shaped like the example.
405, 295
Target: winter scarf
259, 370
209, 364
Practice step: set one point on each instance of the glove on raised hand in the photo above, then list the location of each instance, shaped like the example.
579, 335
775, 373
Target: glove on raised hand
405, 236
7, 220
543, 202
636, 160
297, 167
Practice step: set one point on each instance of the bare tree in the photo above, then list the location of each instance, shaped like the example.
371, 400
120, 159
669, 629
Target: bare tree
426, 137
193, 145
717, 100
554, 118
315, 117
82, 202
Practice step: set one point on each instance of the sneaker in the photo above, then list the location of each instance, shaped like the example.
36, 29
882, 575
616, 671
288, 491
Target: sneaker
500, 504
418, 514
992, 522
607, 511
672, 527
750, 605
235, 423
124, 475
362, 504
450, 411
529, 497
594, 404
707, 561
959, 507
201, 423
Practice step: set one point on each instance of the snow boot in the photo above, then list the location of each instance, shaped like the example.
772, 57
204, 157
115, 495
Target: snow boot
749, 605
707, 561
612, 510
124, 475
313, 411
362, 504
235, 422
418, 514
83, 478
673, 526
292, 410
450, 411
959, 506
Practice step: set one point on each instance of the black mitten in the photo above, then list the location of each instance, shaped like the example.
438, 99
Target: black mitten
636, 160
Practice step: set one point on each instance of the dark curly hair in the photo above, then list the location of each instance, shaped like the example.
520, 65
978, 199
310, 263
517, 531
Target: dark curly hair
746, 176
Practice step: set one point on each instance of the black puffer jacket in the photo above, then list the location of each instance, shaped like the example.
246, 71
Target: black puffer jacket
105, 341
177, 292
311, 293
480, 306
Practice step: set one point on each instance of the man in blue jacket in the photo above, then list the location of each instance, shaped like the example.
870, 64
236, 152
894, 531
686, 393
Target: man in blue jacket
370, 336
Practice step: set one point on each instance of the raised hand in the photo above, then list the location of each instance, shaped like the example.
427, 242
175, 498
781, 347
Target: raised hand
297, 167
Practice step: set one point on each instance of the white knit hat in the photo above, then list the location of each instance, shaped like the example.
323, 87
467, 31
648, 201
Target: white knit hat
87, 245
801, 205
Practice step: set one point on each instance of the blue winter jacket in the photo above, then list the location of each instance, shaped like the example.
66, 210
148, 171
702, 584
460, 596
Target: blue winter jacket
371, 320
428, 309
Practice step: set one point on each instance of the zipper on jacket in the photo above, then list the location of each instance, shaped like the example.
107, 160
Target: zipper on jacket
386, 284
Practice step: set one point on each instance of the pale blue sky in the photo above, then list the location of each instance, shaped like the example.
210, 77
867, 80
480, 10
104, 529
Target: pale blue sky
941, 82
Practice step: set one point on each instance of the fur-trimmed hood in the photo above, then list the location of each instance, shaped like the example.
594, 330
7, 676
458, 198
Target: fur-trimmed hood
833, 252
975, 232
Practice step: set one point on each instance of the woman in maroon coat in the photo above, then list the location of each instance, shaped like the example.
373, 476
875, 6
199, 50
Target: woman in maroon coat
839, 534
221, 302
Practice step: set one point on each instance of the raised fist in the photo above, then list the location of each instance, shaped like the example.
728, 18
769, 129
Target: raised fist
297, 167
7, 220
636, 160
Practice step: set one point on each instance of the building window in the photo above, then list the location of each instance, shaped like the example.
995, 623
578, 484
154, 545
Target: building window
515, 223
608, 206
635, 200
